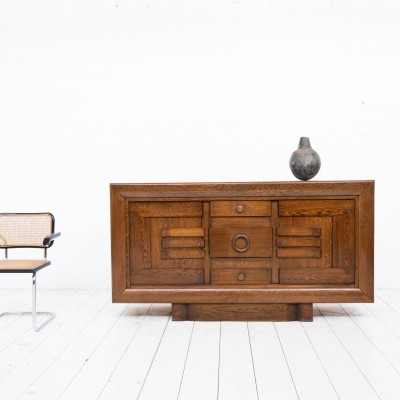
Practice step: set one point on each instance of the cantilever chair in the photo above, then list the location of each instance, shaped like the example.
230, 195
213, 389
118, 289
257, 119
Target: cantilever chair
27, 230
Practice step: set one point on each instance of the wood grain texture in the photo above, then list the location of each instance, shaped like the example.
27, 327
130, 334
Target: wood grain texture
236, 276
182, 232
179, 312
182, 242
150, 234
139, 244
254, 222
242, 294
298, 231
275, 227
298, 242
171, 276
206, 259
307, 208
241, 263
320, 257
310, 276
167, 209
240, 208
344, 242
335, 218
299, 252
119, 247
365, 237
257, 241
175, 258
170, 254
223, 190
242, 312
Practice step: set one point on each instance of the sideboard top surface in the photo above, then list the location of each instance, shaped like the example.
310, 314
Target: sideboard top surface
234, 189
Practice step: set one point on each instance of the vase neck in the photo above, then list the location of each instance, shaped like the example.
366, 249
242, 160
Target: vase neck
304, 143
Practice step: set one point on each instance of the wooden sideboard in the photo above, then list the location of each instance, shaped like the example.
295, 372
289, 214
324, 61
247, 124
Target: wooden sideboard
243, 251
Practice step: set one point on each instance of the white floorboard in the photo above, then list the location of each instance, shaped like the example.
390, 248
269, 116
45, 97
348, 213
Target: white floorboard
98, 350
387, 312
20, 301
168, 363
308, 372
131, 370
81, 352
88, 382
346, 377
22, 325
200, 378
236, 372
274, 381
378, 371
27, 341
19, 378
386, 342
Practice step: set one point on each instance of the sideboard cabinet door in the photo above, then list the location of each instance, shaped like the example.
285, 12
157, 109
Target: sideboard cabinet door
166, 243
315, 242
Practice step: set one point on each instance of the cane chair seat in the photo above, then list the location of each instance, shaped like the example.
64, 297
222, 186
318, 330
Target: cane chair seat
22, 265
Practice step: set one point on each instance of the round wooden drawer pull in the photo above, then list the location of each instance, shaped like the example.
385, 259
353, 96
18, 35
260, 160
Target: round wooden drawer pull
241, 249
239, 209
240, 276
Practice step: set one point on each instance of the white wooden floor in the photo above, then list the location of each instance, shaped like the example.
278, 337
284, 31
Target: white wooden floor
98, 350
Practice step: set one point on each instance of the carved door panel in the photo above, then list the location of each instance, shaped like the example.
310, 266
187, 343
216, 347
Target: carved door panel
315, 242
166, 243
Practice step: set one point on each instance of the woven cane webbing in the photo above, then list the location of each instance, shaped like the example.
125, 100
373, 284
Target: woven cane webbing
24, 229
21, 265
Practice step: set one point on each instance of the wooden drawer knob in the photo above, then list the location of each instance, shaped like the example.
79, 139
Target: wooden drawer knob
240, 276
239, 209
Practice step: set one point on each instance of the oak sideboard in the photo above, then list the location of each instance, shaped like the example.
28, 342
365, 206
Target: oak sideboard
243, 251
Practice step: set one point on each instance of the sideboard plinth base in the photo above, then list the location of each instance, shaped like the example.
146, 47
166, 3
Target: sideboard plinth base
242, 312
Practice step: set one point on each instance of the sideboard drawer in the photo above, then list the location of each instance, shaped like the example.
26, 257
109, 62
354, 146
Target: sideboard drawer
240, 208
240, 242
235, 276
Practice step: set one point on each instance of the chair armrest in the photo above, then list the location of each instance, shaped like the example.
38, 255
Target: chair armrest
48, 240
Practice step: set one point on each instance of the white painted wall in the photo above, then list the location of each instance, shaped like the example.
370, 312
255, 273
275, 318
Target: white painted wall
93, 92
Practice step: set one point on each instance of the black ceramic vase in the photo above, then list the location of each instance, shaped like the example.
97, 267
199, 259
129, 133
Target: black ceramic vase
305, 162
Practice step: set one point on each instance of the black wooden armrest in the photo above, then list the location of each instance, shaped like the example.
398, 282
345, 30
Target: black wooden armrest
48, 240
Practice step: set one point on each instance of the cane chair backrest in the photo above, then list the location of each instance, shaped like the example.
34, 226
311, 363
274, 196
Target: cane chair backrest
25, 229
